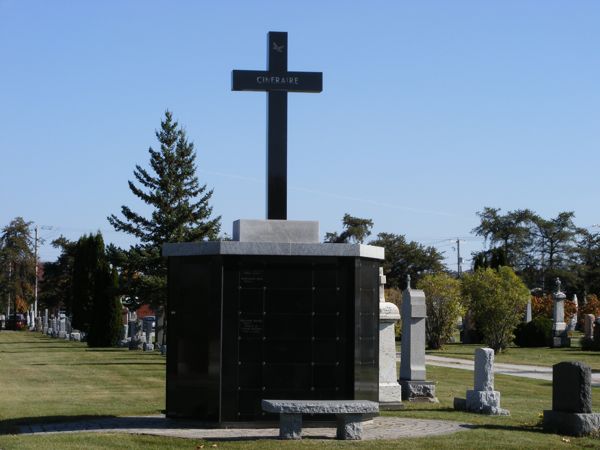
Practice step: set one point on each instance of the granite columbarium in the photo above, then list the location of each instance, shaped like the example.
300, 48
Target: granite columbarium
272, 314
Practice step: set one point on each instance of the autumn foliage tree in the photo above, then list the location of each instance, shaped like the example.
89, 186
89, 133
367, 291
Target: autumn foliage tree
17, 265
543, 306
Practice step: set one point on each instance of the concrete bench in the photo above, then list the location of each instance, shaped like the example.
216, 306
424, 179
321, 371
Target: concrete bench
349, 414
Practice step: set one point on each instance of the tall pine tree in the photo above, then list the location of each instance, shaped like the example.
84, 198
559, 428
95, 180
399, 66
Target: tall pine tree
180, 213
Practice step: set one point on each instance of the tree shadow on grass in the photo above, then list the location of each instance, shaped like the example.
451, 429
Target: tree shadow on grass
37, 350
44, 341
14, 426
110, 363
488, 426
107, 349
25, 425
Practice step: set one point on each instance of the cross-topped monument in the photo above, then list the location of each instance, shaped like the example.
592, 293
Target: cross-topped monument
277, 82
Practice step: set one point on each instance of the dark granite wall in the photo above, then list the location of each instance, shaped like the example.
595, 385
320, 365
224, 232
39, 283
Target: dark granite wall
246, 328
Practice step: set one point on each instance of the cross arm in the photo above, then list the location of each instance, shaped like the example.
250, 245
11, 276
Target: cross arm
255, 80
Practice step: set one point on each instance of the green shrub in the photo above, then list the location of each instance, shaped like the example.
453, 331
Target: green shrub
496, 298
537, 333
443, 302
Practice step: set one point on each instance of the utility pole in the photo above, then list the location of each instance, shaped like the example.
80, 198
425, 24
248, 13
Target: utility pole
35, 290
9, 288
458, 258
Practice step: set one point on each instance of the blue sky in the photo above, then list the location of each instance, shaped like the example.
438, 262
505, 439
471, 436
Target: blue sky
430, 110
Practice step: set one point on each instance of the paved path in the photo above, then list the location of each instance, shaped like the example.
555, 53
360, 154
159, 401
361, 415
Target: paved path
379, 428
517, 370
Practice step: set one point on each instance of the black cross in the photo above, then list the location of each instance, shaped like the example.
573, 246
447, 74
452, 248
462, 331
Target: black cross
277, 81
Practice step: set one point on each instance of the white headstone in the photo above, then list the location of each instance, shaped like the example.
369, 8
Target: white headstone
390, 391
528, 314
574, 318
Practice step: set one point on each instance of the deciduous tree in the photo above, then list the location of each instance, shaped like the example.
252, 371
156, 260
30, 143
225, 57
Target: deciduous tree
496, 299
17, 265
444, 307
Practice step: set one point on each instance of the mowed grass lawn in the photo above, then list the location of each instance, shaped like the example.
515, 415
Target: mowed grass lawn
44, 379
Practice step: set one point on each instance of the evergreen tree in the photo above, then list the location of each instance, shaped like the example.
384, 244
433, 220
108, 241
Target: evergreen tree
106, 322
88, 261
17, 265
404, 257
356, 230
180, 213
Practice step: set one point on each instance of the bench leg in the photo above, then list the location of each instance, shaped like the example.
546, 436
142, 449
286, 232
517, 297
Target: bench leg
349, 426
290, 426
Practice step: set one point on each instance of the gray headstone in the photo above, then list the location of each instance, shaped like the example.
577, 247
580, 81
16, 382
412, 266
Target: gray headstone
559, 327
588, 326
412, 362
160, 321
571, 401
62, 325
484, 369
572, 387
483, 399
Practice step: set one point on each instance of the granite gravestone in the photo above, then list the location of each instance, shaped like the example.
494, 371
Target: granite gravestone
45, 324
272, 314
482, 399
528, 315
588, 326
571, 401
560, 336
413, 381
390, 392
